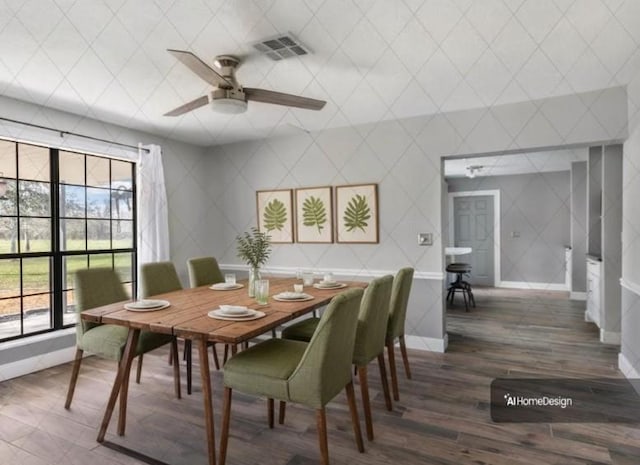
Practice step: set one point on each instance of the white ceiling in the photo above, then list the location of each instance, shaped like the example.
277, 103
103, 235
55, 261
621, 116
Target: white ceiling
521, 163
373, 60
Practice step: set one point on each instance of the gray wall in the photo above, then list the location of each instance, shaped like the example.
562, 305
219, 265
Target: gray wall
535, 206
630, 308
579, 226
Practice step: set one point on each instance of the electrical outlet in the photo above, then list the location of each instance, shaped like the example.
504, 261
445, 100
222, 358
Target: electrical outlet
425, 239
515, 234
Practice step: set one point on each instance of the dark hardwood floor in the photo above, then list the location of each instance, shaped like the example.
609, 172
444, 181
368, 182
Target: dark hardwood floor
442, 416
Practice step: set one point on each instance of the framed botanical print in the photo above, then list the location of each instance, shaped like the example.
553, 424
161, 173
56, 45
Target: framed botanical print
357, 214
275, 214
314, 215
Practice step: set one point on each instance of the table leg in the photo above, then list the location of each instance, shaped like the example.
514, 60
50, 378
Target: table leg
123, 372
208, 402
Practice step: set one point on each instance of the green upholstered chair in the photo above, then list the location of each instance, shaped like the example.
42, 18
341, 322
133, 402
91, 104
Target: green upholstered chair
101, 286
310, 373
395, 328
370, 340
204, 271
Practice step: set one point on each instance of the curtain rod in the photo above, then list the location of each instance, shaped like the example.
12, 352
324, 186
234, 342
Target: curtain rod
68, 133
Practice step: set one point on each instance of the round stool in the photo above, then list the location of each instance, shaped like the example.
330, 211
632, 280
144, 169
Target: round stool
460, 284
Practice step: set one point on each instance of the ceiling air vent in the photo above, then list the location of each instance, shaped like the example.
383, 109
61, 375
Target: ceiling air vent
281, 46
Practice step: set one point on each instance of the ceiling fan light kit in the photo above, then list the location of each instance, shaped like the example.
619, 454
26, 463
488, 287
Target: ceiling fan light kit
228, 96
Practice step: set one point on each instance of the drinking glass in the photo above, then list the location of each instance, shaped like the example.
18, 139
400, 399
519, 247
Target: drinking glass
298, 288
262, 291
230, 278
307, 278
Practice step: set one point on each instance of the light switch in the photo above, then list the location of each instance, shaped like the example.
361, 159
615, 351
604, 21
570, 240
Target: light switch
425, 239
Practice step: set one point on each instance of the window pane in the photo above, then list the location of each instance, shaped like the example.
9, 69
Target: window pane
122, 205
9, 278
70, 265
72, 168
72, 201
8, 199
98, 233
9, 317
97, 171
73, 235
68, 308
35, 198
35, 235
7, 159
33, 162
121, 174
103, 260
36, 275
36, 310
123, 234
123, 264
98, 203
8, 235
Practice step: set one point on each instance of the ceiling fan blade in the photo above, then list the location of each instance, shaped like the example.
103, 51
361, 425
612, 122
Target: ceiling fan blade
279, 98
199, 67
187, 107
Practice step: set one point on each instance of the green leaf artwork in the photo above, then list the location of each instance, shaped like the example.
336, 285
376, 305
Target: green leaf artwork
314, 213
357, 213
275, 215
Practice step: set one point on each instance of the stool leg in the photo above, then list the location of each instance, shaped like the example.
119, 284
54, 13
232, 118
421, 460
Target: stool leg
464, 296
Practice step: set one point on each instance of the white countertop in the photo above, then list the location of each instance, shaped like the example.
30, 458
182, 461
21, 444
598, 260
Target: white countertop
457, 250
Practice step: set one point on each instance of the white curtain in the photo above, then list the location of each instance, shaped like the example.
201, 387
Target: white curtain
153, 217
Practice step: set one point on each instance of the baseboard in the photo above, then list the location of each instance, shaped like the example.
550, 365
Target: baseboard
578, 295
627, 368
36, 363
610, 337
428, 344
533, 286
342, 272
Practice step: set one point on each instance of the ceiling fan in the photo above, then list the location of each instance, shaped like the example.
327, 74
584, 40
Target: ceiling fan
227, 95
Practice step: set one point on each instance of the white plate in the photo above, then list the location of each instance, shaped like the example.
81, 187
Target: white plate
254, 315
335, 285
292, 297
226, 287
234, 310
147, 307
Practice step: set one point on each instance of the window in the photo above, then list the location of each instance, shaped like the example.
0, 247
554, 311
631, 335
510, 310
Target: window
59, 212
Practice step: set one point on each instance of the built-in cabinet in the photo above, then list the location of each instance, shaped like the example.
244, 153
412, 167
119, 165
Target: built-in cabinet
594, 292
604, 242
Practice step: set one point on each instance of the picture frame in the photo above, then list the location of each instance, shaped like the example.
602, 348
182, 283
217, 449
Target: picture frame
357, 214
314, 215
275, 214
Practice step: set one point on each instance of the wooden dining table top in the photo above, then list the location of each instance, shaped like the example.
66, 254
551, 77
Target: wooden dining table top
187, 314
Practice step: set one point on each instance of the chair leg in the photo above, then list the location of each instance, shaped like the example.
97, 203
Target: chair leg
392, 370
214, 352
281, 412
139, 369
321, 421
226, 418
176, 368
226, 354
270, 411
188, 346
405, 358
385, 381
366, 403
351, 397
74, 377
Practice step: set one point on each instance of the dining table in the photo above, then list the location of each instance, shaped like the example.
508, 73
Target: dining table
187, 317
